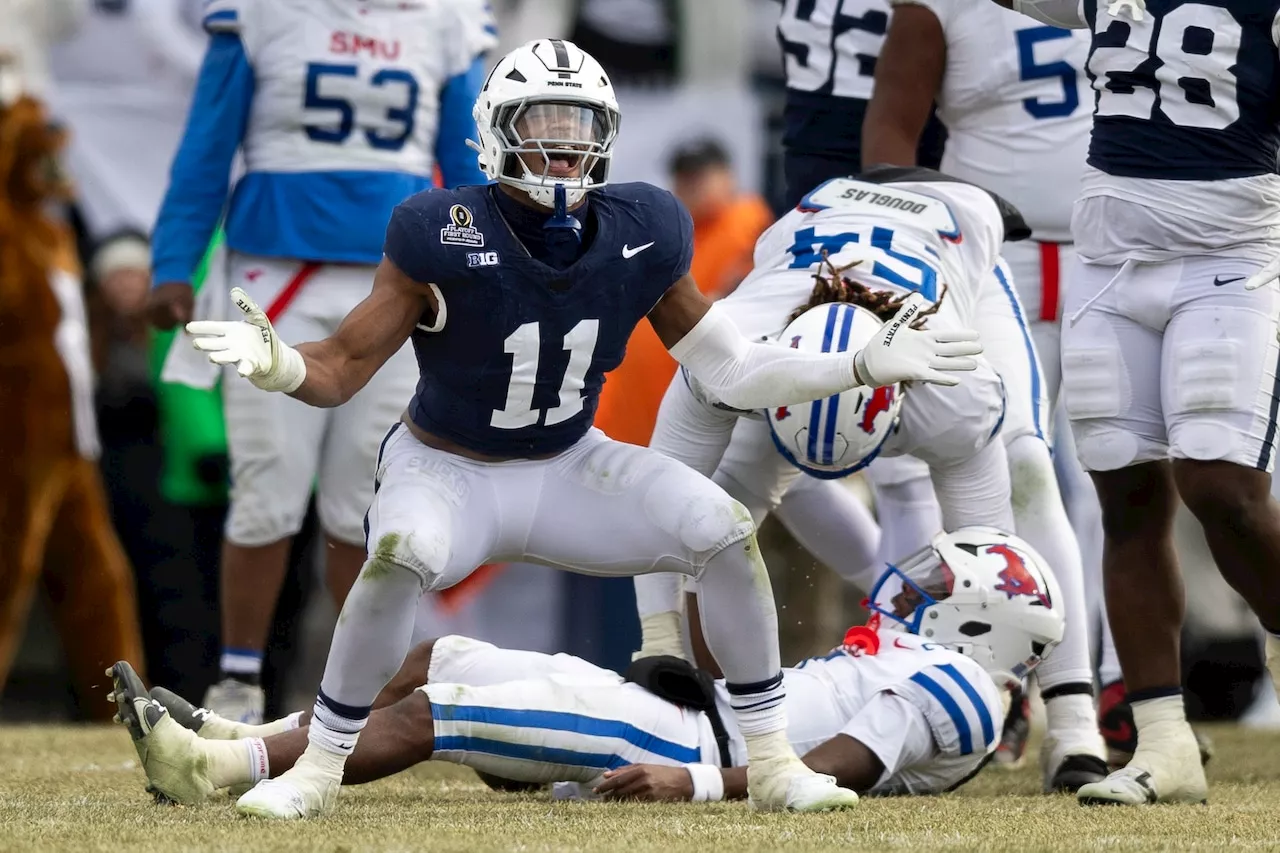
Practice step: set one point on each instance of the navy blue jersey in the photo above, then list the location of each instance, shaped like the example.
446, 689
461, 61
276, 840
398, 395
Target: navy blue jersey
1191, 92
829, 50
517, 368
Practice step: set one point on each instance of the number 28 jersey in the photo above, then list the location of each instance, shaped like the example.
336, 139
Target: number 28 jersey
1186, 126
342, 125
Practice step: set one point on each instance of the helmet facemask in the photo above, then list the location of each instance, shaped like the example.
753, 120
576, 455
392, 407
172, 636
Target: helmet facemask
546, 141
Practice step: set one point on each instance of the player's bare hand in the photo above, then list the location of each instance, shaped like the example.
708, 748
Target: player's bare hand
647, 782
899, 353
171, 304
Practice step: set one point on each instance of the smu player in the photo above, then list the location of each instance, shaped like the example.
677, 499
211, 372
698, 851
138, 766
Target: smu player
1014, 100
1169, 352
910, 706
518, 297
341, 110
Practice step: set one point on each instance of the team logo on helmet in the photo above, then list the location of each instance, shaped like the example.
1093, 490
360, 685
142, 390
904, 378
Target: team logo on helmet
881, 401
1014, 577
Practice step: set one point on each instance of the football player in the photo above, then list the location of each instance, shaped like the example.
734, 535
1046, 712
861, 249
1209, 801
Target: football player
1169, 350
907, 705
829, 50
518, 297
1014, 100
341, 111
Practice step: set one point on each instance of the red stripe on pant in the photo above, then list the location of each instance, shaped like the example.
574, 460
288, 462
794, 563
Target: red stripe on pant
1050, 277
291, 288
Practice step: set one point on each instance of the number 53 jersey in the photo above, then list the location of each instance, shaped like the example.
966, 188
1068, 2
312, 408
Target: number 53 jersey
1182, 158
344, 116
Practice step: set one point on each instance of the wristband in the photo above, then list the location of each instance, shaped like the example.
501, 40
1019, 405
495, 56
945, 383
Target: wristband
708, 783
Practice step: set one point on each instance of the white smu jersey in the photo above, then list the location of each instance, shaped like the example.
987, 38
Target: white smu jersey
959, 700
1017, 107
344, 85
907, 236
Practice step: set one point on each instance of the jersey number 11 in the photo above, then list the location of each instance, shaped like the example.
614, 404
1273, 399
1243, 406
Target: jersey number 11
524, 345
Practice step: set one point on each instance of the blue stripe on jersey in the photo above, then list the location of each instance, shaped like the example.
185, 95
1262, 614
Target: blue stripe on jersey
988, 726
563, 721
221, 19
1031, 350
330, 217
525, 752
949, 705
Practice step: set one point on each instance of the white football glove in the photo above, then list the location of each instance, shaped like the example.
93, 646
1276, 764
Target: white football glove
252, 345
899, 353
1264, 276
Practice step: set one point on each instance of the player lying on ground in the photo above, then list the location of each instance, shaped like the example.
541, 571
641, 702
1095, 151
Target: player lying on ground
513, 343
910, 708
872, 245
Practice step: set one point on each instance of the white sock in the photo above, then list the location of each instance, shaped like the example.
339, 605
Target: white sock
235, 762
1073, 712
1165, 709
1040, 518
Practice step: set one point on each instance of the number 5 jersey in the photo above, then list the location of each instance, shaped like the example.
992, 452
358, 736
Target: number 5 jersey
341, 109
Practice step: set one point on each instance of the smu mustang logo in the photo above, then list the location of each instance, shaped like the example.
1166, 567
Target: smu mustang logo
881, 400
1014, 577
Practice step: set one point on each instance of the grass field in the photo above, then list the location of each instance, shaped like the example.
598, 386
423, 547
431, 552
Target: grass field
79, 789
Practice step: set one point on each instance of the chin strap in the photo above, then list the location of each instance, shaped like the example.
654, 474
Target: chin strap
562, 232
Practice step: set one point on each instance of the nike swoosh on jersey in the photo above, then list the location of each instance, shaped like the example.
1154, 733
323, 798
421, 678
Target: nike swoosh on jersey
628, 252
1218, 280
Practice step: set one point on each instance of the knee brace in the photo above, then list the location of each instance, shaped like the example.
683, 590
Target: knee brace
712, 523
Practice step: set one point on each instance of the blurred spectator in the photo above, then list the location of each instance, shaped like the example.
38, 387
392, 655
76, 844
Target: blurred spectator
726, 223
54, 525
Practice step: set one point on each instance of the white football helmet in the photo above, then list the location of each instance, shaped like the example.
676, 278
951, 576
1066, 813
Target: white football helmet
548, 98
979, 591
834, 437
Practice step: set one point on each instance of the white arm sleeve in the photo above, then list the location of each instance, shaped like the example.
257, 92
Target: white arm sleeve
748, 375
895, 730
1068, 14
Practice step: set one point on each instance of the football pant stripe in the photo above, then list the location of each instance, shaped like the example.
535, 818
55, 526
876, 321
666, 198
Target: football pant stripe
529, 752
1036, 416
564, 721
984, 715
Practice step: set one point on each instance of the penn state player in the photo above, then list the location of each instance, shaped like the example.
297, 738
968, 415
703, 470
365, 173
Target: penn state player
518, 297
1169, 351
906, 705
829, 50
1012, 95
341, 110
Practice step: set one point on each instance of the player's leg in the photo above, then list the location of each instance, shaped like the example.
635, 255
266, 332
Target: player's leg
434, 518
273, 443
824, 516
663, 516
347, 460
696, 435
1072, 753
1222, 397
906, 507
1111, 369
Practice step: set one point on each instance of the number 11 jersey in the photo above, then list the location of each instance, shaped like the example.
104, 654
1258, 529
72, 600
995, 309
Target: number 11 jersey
513, 363
1182, 158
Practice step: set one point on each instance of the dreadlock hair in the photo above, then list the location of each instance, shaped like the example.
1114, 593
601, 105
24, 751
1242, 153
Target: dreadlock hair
835, 286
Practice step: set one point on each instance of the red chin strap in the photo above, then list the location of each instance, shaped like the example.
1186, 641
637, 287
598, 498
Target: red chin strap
864, 637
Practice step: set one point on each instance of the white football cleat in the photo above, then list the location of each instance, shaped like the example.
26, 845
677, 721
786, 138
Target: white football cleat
786, 783
171, 756
306, 790
1165, 768
236, 702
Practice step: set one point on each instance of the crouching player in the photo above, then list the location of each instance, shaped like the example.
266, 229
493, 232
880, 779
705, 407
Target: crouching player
909, 703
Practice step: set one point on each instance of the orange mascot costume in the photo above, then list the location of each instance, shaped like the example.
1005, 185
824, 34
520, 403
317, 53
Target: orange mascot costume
54, 525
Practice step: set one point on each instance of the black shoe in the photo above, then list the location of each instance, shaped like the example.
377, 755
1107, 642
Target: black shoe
1075, 771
